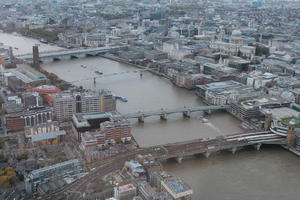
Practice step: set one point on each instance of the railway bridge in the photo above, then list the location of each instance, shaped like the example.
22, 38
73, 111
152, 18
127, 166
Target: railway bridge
220, 143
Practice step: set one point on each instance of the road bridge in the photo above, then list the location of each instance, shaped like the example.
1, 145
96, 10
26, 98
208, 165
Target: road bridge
58, 55
163, 113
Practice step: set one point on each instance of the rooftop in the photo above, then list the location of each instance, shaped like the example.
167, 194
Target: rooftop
177, 186
37, 172
283, 112
47, 136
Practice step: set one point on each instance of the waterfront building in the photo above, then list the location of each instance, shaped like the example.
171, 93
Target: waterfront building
252, 108
111, 125
67, 104
23, 77
176, 188
43, 175
189, 81
117, 129
225, 92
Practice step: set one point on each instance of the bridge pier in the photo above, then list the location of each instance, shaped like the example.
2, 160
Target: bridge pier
163, 116
257, 146
179, 159
207, 154
56, 59
141, 119
233, 150
187, 114
73, 57
208, 112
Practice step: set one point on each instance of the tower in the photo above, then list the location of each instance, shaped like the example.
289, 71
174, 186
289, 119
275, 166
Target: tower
11, 55
291, 133
268, 120
36, 57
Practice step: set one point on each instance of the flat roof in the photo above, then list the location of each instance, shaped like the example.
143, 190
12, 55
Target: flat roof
47, 136
57, 165
283, 112
176, 185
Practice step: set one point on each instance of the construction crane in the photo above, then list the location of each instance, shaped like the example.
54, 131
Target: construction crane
110, 75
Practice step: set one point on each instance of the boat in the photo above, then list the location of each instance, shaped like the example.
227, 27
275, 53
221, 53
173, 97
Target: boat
204, 120
99, 72
16, 48
83, 66
124, 99
43, 41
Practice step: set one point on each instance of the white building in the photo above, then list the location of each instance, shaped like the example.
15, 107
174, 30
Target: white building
124, 192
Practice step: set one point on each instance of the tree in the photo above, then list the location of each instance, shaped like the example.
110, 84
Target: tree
51, 21
65, 21
7, 176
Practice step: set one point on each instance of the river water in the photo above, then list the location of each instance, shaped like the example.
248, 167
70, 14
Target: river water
23, 45
271, 173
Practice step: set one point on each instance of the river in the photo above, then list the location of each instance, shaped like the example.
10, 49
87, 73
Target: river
271, 173
23, 45
146, 93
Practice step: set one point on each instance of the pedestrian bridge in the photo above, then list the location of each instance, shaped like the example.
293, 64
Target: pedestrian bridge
57, 55
163, 113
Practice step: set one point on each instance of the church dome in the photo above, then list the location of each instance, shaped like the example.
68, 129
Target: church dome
236, 33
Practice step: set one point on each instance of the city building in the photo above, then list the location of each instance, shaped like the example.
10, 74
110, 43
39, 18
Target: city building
251, 108
176, 188
145, 191
111, 125
43, 134
67, 104
189, 81
125, 192
28, 118
225, 92
43, 175
134, 168
161, 196
23, 77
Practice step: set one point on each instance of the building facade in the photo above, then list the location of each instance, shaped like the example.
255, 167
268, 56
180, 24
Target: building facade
67, 104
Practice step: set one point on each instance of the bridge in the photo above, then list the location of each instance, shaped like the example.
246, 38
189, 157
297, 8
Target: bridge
163, 113
220, 143
178, 151
57, 55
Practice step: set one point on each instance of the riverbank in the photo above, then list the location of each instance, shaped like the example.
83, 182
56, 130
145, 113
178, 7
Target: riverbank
118, 59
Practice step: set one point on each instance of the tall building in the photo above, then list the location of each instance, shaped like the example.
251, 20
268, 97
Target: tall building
67, 104
36, 57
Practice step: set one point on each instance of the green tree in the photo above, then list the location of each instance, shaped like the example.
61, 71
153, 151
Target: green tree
51, 21
65, 21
